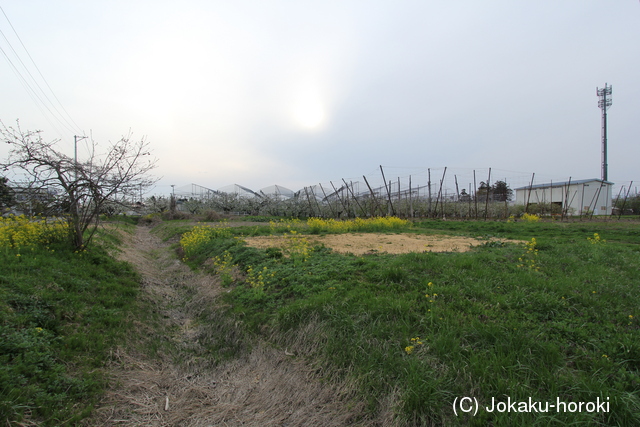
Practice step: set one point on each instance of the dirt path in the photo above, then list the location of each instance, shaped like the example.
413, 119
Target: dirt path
179, 384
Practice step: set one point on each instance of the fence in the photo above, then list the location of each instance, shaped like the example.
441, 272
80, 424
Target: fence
424, 193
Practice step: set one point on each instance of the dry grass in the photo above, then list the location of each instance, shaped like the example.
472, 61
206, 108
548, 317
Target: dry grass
363, 243
264, 386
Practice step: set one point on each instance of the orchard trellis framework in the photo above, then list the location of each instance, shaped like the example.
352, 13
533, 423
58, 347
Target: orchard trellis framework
422, 193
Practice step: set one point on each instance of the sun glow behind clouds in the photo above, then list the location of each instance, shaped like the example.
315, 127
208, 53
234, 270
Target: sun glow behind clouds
309, 106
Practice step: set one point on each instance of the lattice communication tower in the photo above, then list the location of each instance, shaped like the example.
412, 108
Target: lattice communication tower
604, 103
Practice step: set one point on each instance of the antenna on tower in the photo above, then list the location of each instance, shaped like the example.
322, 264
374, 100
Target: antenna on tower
604, 103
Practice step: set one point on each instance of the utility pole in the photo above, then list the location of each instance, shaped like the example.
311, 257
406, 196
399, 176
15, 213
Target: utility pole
604, 103
76, 138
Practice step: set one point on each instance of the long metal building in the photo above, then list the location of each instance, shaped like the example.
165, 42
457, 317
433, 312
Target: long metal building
580, 197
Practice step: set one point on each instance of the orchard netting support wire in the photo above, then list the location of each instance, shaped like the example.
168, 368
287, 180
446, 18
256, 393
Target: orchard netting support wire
448, 193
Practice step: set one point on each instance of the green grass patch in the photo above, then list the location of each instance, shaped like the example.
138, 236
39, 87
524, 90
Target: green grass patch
60, 313
554, 319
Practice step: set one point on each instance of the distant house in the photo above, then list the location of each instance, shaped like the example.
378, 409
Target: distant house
580, 197
33, 200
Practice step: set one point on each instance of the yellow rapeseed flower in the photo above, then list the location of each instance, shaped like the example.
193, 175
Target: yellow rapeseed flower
200, 235
18, 232
596, 239
330, 225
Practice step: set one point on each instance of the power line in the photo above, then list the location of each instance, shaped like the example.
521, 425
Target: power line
65, 121
35, 92
29, 90
35, 97
38, 69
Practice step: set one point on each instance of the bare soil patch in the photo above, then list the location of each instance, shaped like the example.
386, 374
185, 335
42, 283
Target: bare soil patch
367, 243
182, 386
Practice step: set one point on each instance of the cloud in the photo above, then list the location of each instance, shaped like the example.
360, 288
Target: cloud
294, 92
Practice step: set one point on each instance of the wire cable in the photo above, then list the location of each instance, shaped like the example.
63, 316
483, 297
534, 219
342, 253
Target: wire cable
30, 91
39, 72
67, 121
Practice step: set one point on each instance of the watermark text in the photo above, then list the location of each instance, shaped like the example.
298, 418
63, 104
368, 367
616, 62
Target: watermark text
470, 405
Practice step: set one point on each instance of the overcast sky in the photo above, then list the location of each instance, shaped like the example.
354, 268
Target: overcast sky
301, 92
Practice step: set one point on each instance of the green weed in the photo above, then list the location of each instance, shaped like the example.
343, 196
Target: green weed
557, 321
60, 312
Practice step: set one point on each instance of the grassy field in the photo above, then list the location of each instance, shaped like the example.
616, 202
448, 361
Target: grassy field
555, 318
60, 313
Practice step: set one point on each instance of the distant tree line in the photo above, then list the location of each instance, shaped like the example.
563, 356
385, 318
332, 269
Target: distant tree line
498, 192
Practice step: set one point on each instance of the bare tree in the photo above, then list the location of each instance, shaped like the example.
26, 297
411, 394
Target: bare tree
157, 204
193, 205
84, 187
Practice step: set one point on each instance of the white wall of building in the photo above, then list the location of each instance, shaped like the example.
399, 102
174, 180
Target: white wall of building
581, 197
